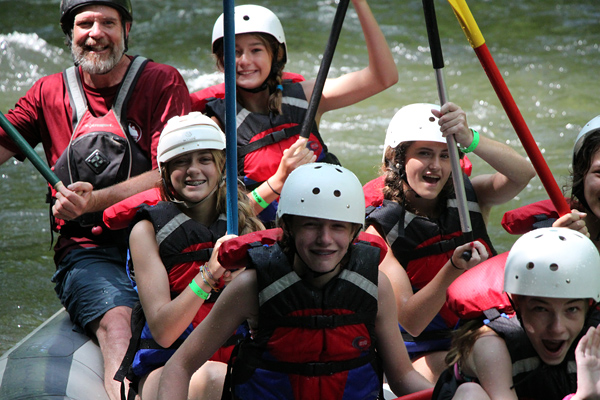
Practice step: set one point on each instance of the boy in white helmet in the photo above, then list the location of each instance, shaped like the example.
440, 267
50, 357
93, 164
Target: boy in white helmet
271, 109
321, 313
417, 214
172, 263
551, 349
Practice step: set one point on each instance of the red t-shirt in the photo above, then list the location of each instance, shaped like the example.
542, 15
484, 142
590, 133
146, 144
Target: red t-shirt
44, 115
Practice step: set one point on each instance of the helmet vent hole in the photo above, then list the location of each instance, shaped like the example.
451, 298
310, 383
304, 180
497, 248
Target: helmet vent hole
337, 193
318, 167
431, 119
301, 200
316, 190
568, 281
246, 17
562, 238
553, 267
530, 265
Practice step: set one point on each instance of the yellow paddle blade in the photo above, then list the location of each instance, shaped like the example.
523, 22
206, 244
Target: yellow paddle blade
467, 22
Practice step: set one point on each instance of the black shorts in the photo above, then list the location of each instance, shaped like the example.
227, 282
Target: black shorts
90, 282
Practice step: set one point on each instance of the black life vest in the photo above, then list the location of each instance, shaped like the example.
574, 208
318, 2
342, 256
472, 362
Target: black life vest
311, 343
423, 246
532, 378
184, 245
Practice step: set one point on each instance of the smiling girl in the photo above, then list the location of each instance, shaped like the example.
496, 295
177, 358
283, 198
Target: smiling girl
419, 219
171, 243
270, 109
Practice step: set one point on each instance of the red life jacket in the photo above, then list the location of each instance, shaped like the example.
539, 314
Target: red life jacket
532, 216
120, 215
311, 343
480, 289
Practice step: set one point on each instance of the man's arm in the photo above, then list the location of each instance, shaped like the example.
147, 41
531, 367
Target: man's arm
80, 198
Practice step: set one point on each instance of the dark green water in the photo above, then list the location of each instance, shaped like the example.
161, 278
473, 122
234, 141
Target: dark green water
547, 50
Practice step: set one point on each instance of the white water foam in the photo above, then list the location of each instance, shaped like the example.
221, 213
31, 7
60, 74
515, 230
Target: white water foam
25, 58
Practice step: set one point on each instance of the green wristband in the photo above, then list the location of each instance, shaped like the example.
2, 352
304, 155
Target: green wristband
198, 290
473, 144
261, 202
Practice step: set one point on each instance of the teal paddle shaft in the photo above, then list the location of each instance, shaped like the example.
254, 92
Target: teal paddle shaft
38, 163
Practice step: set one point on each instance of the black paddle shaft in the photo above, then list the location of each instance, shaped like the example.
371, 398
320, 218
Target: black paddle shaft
437, 57
315, 98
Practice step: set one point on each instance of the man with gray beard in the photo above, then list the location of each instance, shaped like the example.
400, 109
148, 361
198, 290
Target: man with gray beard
99, 123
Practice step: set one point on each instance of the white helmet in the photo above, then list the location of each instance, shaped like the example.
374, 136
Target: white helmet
321, 190
251, 18
553, 262
187, 133
411, 123
591, 127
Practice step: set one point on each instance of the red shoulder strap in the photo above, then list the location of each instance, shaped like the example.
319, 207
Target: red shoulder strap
233, 253
373, 192
119, 215
200, 98
479, 289
375, 241
521, 220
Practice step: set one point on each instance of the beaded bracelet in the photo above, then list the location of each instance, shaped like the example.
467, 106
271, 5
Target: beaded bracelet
473, 144
202, 272
207, 270
198, 290
261, 202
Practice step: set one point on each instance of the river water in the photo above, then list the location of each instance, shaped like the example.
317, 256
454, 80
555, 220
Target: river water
547, 51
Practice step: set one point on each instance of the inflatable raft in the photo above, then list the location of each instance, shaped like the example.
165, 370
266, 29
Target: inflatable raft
53, 363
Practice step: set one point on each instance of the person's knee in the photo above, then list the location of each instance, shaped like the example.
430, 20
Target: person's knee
115, 323
207, 382
470, 390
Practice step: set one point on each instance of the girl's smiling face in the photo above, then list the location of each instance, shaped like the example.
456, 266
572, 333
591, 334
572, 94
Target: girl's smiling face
194, 175
253, 60
552, 324
427, 168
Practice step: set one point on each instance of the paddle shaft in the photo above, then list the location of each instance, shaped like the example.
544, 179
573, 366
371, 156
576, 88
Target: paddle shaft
475, 38
315, 98
437, 59
230, 116
29, 152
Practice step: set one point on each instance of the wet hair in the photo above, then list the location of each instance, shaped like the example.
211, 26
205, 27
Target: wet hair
394, 171
247, 222
276, 51
581, 166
